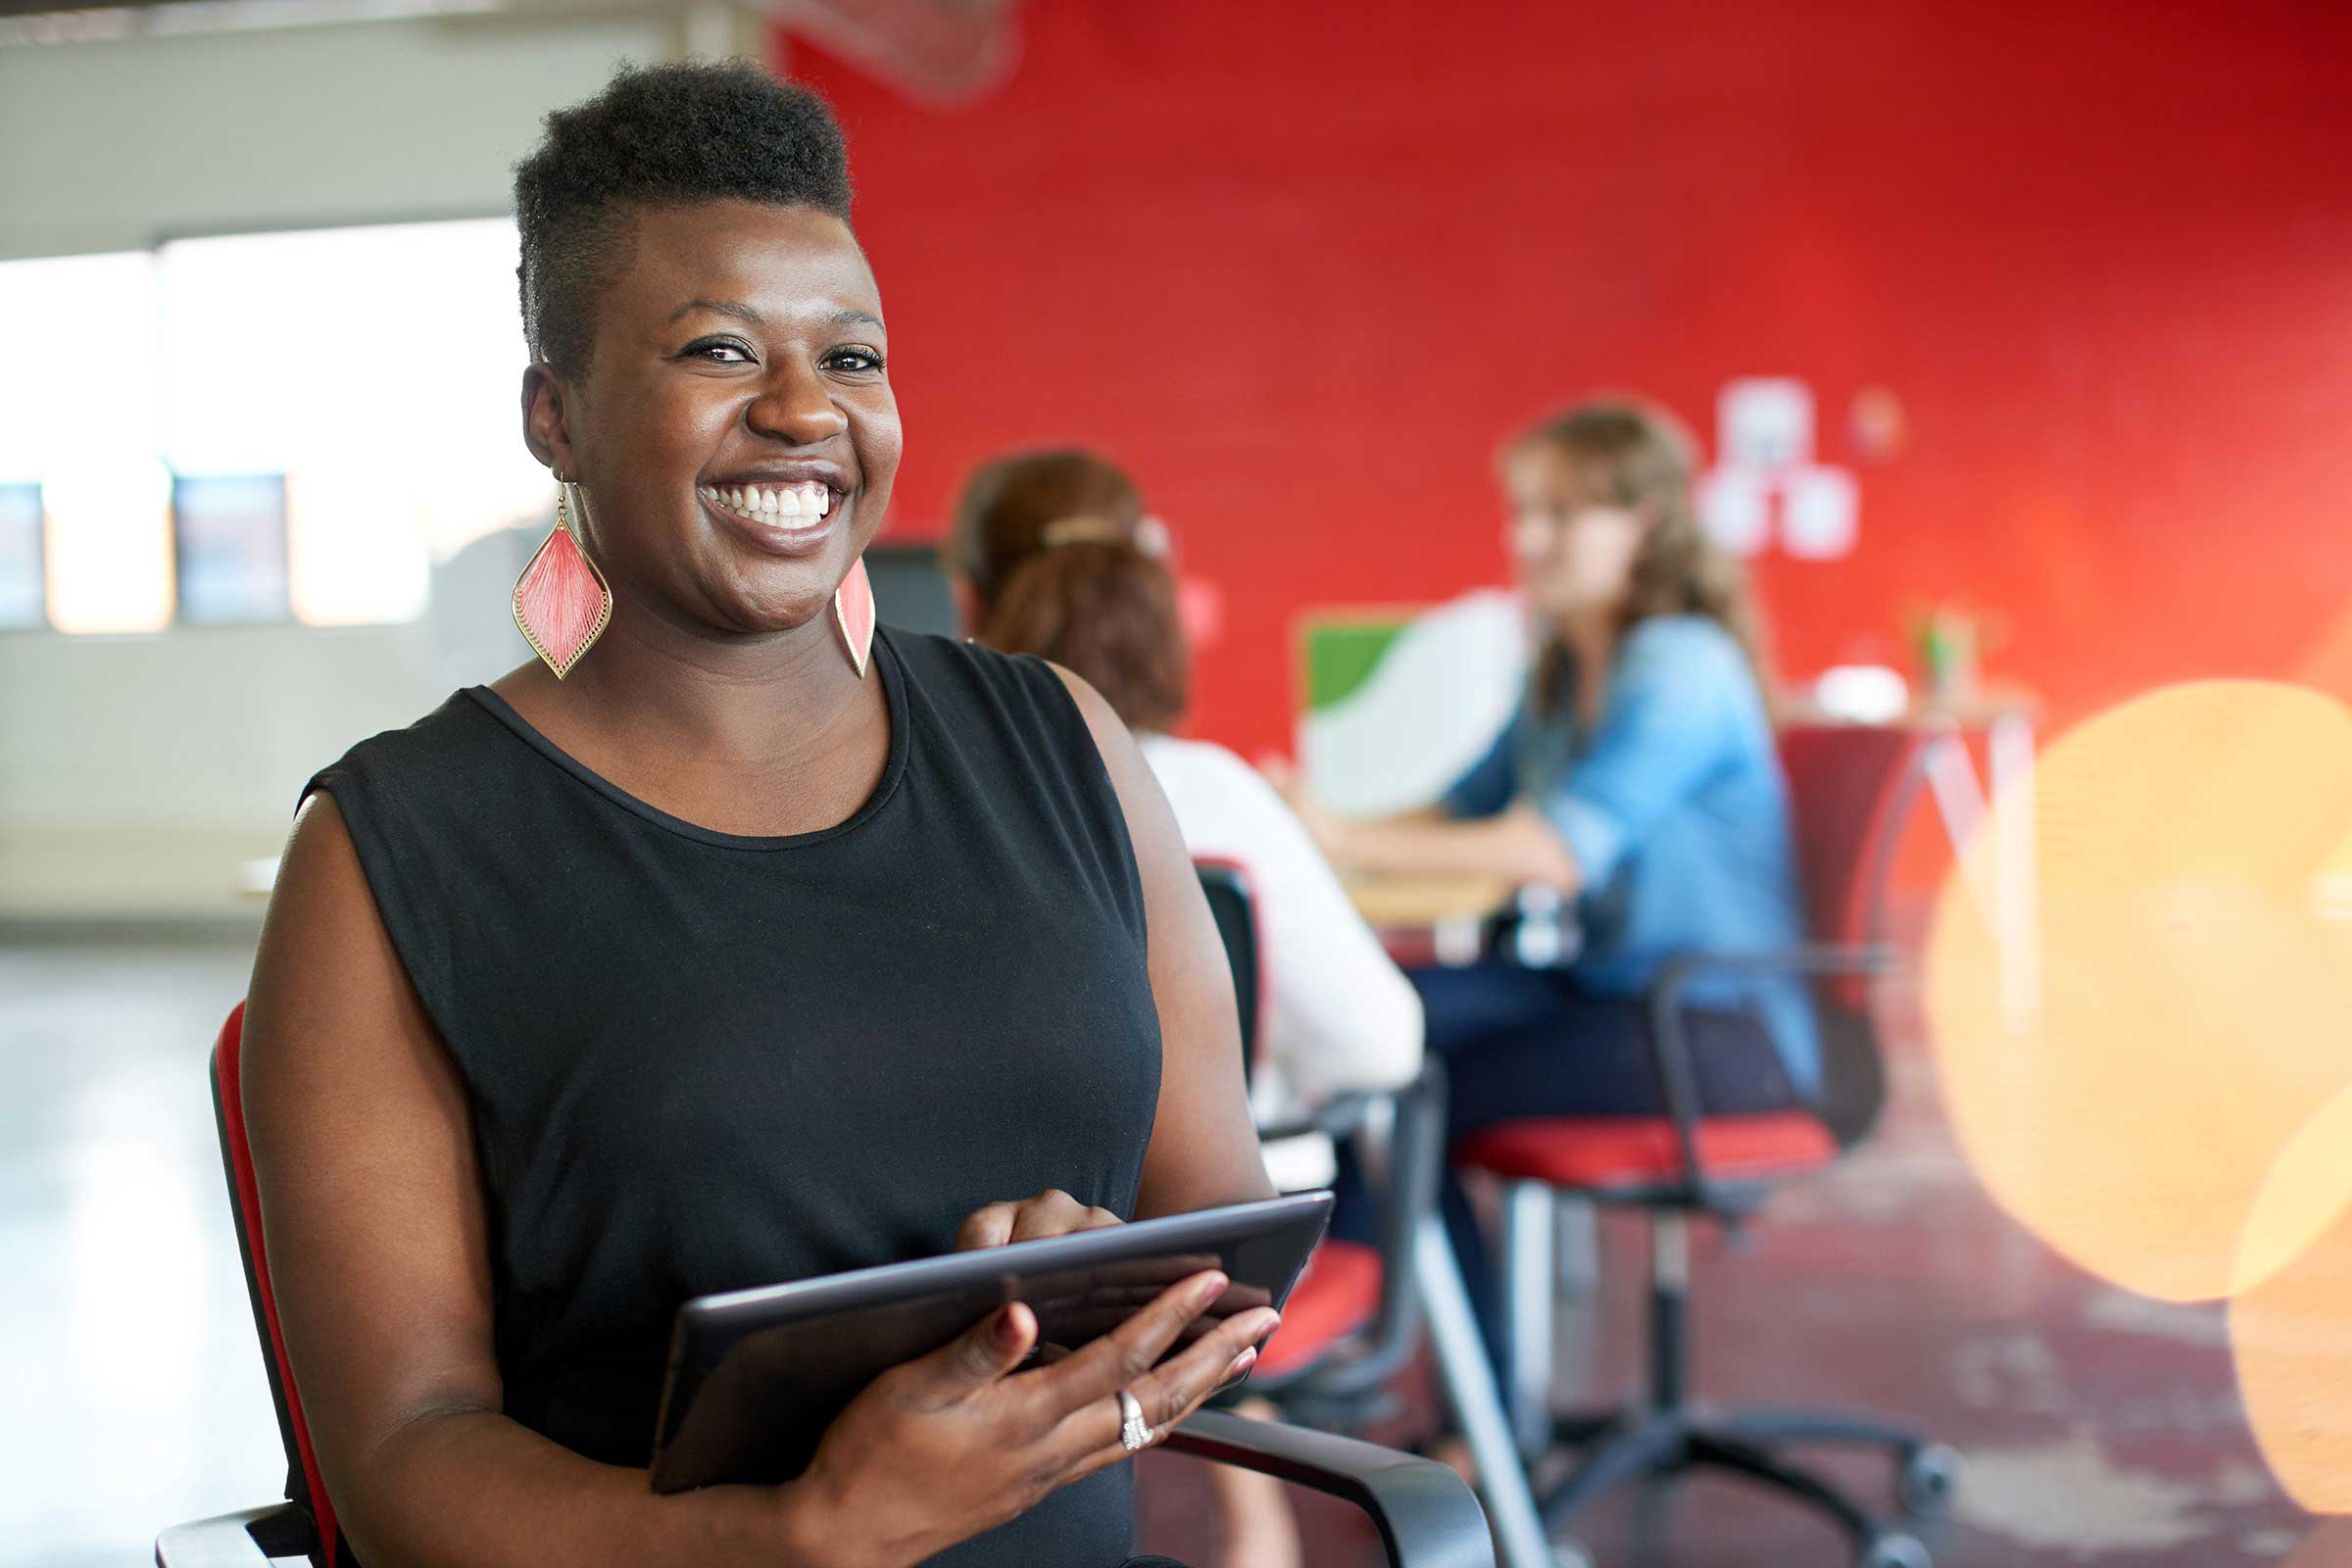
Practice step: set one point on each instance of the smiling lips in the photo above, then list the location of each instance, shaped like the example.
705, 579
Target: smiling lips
771, 503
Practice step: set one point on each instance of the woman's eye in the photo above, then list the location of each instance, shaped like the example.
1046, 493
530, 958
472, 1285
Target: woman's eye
854, 361
718, 351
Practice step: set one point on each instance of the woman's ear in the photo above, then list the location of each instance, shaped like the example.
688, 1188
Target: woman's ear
545, 417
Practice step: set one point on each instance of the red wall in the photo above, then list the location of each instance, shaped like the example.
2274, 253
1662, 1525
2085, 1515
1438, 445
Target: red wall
1301, 274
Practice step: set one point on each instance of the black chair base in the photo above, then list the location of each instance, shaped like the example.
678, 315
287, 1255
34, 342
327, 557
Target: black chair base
1670, 1433
1617, 1446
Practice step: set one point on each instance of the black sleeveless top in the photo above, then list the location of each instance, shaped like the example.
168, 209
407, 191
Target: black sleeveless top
701, 1061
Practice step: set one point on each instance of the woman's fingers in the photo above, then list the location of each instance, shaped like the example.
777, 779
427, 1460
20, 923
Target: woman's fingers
974, 1359
1060, 1218
1051, 1213
1091, 1436
1126, 1354
986, 1227
1054, 1212
1172, 1392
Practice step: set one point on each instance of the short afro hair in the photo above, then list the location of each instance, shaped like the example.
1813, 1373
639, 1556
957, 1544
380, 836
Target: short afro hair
657, 135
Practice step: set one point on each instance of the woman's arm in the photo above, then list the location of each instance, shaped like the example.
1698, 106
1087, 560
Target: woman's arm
377, 1236
1672, 714
376, 1231
1473, 830
1515, 845
1203, 1144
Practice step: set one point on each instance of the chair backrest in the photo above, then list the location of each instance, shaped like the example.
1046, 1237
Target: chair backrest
303, 1484
1226, 885
1850, 792
1850, 789
1416, 1154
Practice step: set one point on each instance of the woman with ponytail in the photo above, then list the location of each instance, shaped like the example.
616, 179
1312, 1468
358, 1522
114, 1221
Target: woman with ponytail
1052, 554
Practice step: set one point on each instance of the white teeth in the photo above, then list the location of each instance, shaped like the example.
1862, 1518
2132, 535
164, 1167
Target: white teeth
782, 501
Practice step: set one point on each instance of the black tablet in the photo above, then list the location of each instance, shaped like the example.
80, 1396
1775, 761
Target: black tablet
757, 1376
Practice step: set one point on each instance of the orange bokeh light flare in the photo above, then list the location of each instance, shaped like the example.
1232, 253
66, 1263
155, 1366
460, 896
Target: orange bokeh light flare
2195, 989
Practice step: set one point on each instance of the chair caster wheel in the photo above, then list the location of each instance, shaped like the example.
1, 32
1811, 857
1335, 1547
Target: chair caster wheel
1930, 1475
1895, 1550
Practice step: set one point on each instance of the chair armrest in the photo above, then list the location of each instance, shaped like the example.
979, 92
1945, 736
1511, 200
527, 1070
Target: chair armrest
1819, 957
1677, 1077
1406, 1190
1426, 1516
1343, 1115
253, 1539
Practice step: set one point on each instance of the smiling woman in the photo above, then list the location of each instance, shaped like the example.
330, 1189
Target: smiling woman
653, 974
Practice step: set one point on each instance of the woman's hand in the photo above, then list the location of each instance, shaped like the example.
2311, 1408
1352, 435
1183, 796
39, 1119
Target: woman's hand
1102, 1297
944, 1448
1051, 1213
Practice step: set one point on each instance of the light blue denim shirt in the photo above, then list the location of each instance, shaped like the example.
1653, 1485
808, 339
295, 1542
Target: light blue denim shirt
1676, 811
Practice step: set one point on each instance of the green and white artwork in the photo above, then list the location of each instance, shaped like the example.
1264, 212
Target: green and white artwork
1399, 703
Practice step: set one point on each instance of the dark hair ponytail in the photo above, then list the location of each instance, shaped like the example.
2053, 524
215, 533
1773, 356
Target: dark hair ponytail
1098, 605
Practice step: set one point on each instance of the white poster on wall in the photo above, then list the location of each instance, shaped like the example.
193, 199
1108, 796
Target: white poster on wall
1765, 484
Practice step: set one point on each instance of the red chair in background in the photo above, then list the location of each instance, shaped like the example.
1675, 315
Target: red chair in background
1850, 790
1425, 1515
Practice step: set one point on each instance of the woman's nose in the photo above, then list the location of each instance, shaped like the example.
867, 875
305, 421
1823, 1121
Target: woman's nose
797, 408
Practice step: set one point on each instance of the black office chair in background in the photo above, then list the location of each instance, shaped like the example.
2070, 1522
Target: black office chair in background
1357, 1316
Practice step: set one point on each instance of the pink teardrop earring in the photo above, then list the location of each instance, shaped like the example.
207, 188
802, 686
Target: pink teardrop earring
854, 613
561, 602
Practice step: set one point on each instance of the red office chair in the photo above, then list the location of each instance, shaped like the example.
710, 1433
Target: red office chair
1425, 1515
1850, 788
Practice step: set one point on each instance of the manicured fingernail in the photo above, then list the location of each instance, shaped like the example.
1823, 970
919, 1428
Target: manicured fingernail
1242, 1363
1210, 1289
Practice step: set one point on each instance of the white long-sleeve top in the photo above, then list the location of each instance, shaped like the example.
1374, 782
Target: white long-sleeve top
1335, 1014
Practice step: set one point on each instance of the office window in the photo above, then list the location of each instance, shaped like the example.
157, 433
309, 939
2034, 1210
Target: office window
77, 334
107, 530
22, 599
414, 451
228, 536
373, 370
358, 547
85, 327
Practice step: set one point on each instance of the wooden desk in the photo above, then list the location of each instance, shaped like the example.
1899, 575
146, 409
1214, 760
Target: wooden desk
1426, 920
1391, 903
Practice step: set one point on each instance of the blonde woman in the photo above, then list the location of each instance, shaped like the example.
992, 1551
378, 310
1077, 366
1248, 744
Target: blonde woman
1637, 777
